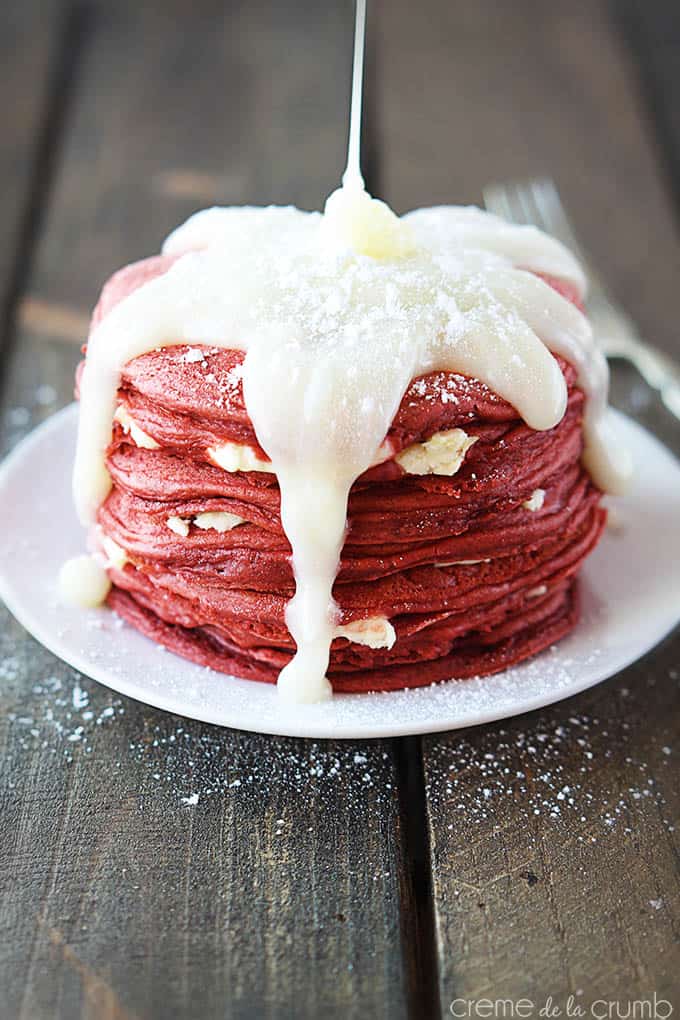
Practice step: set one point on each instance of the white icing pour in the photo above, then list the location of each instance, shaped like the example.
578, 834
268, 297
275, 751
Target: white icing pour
446, 228
332, 339
83, 582
356, 222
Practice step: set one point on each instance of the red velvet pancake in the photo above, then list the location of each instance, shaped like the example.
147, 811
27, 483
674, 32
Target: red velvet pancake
475, 571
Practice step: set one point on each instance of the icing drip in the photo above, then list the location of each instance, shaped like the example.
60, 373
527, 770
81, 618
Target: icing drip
83, 582
333, 336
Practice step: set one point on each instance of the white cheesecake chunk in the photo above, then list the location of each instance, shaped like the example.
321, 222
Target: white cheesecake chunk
238, 457
374, 632
535, 501
442, 454
131, 428
218, 520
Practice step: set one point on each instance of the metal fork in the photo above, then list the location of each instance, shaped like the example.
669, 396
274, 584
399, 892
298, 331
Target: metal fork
537, 202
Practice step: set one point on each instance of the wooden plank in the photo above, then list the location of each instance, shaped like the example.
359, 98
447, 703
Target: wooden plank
554, 852
29, 51
156, 867
652, 31
480, 92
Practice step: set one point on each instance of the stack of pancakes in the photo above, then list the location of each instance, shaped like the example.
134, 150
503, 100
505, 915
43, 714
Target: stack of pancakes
463, 540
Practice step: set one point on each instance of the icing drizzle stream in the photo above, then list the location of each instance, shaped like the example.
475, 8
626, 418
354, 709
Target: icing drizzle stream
352, 175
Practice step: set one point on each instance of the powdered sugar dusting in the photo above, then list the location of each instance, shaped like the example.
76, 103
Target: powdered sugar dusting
65, 712
555, 769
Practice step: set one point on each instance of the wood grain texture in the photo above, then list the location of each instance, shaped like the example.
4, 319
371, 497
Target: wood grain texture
652, 31
155, 867
160, 868
553, 842
492, 91
28, 54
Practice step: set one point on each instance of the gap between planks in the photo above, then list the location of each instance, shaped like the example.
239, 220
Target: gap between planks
417, 899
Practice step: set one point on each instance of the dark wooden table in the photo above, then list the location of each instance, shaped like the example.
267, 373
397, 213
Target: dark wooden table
532, 858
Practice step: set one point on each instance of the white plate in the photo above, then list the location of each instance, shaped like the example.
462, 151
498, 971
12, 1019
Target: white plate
630, 589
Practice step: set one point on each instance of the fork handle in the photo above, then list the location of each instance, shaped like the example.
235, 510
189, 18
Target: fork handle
658, 370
